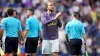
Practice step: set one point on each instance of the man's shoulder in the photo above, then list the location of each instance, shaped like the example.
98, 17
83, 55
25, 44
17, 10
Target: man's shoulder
44, 13
31, 18
28, 19
16, 19
70, 22
80, 22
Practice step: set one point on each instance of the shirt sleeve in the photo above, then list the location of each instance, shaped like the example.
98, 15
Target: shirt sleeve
20, 27
3, 24
40, 28
67, 28
59, 24
45, 20
27, 24
83, 29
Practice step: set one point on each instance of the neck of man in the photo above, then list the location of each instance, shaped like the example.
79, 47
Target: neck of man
49, 12
11, 16
73, 17
31, 15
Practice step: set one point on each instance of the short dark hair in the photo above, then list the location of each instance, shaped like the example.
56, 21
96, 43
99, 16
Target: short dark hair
76, 14
10, 12
32, 10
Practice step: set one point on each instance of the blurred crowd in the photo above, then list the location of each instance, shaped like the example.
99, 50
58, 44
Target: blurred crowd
88, 11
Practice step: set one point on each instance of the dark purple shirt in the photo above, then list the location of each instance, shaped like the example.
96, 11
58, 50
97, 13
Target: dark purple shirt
50, 26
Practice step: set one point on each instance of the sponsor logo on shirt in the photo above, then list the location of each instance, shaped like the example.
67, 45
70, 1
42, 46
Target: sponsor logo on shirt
52, 23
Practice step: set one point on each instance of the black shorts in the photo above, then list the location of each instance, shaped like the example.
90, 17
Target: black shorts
75, 46
31, 45
11, 44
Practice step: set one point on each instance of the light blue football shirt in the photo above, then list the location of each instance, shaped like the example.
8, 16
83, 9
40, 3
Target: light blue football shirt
33, 27
11, 25
74, 29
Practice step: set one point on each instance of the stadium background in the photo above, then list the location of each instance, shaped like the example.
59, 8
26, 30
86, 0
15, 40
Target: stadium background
88, 10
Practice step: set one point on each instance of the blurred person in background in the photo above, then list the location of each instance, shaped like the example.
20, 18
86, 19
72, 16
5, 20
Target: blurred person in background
0, 13
4, 34
13, 29
32, 32
0, 22
50, 24
94, 34
0, 39
74, 32
23, 18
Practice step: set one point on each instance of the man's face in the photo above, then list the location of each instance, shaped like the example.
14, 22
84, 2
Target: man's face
28, 13
50, 6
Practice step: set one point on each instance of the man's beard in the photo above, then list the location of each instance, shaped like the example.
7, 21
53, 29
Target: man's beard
52, 10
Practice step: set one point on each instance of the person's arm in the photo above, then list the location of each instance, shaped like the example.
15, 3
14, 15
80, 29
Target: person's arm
85, 38
41, 36
3, 24
20, 37
27, 28
25, 33
2, 28
20, 32
59, 24
45, 21
40, 32
1, 34
67, 39
67, 32
84, 35
57, 15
